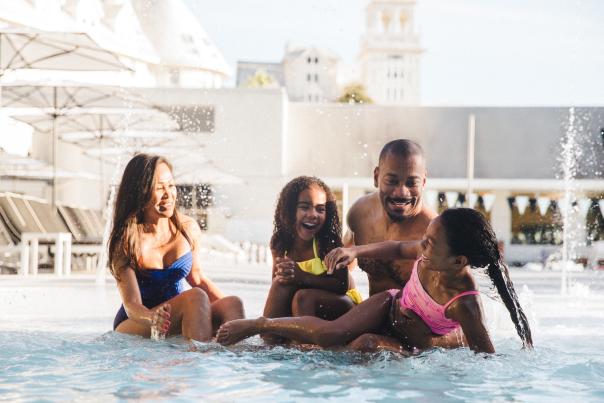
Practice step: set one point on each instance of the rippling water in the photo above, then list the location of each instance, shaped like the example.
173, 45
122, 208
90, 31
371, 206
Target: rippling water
51, 353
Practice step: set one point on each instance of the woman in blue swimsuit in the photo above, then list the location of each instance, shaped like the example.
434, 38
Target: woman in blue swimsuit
154, 256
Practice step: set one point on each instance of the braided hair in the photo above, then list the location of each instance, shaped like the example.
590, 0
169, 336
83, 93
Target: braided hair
470, 234
284, 233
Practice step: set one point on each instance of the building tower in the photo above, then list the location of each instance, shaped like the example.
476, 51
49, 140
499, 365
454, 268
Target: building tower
310, 74
390, 52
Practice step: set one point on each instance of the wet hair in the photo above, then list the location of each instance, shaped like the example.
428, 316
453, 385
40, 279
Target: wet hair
401, 148
133, 195
284, 232
470, 234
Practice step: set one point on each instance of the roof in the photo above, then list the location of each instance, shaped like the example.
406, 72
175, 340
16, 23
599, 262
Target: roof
312, 51
178, 37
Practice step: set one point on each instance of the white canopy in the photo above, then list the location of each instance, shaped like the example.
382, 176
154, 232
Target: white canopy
28, 48
19, 167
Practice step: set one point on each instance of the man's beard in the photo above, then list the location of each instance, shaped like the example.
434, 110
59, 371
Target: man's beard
413, 211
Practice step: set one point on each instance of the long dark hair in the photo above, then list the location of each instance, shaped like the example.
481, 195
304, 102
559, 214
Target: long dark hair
284, 233
134, 193
469, 234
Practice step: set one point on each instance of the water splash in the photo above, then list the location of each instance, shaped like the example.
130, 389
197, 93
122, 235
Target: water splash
122, 142
573, 225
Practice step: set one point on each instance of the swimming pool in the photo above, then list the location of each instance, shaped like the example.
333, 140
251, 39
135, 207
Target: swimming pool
56, 346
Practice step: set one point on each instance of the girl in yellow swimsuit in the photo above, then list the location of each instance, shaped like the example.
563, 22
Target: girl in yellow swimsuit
306, 228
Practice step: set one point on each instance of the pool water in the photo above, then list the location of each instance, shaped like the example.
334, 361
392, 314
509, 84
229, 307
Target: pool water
57, 346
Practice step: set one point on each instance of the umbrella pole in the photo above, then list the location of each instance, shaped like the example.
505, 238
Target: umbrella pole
54, 151
470, 156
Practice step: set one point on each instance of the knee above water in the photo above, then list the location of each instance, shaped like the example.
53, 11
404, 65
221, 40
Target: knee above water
198, 297
328, 335
365, 342
233, 300
302, 296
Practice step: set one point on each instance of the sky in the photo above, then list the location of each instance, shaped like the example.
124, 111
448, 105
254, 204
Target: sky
477, 52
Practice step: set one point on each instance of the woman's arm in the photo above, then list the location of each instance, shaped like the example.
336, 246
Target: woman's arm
387, 250
131, 298
196, 278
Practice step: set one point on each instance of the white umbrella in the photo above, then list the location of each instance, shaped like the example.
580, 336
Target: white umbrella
61, 109
28, 48
19, 167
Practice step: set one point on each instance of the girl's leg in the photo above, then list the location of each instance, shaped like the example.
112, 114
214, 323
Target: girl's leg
278, 305
226, 309
371, 315
371, 343
190, 315
320, 303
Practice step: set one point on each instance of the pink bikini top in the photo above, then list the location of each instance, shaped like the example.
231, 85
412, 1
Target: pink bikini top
432, 313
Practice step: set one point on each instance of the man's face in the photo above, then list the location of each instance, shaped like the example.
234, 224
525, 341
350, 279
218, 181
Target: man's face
400, 182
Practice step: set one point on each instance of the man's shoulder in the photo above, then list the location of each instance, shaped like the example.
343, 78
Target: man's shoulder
361, 209
363, 203
426, 215
420, 222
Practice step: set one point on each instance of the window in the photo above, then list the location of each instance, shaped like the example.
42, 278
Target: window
316, 78
532, 228
202, 220
316, 60
185, 196
194, 119
308, 77
309, 60
204, 196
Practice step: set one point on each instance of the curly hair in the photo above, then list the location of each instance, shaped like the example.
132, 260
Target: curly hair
284, 233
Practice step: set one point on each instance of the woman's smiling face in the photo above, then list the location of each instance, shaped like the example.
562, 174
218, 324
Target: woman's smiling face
163, 194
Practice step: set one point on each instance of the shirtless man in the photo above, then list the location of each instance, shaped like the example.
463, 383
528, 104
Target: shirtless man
395, 212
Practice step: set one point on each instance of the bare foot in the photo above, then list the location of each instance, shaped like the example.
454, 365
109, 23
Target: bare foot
237, 330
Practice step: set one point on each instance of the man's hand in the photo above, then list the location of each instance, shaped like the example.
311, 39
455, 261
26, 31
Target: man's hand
339, 258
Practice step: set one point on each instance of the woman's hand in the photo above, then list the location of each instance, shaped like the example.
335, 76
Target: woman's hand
339, 258
285, 272
161, 318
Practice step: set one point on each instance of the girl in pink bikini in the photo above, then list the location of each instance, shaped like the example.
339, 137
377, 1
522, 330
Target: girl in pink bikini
441, 292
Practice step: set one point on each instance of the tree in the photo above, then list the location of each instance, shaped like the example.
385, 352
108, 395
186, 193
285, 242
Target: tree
261, 79
355, 93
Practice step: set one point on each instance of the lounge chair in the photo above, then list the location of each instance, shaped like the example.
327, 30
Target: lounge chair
9, 251
33, 222
86, 228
